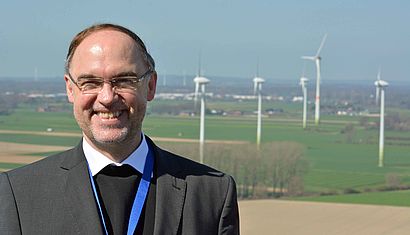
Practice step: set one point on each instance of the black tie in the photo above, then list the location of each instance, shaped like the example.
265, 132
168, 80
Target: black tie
117, 186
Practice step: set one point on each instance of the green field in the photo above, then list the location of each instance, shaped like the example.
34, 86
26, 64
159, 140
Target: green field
40, 140
28, 119
9, 165
337, 161
393, 198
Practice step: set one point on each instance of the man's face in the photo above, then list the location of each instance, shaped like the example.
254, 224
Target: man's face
109, 117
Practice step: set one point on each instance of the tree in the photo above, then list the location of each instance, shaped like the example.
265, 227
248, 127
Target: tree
284, 161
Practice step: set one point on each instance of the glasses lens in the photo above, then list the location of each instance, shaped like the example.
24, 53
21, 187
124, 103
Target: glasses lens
125, 83
90, 86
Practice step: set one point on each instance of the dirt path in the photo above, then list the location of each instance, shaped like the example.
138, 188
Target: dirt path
17, 153
290, 217
19, 159
15, 149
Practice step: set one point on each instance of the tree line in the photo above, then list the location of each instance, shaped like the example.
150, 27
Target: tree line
275, 170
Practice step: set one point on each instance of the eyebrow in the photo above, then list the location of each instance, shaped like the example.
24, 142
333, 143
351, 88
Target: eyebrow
121, 74
126, 74
86, 76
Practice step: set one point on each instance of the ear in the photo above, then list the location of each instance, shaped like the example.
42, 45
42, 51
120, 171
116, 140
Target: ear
69, 89
152, 86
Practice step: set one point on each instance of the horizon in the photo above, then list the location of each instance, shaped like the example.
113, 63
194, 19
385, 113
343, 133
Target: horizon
177, 80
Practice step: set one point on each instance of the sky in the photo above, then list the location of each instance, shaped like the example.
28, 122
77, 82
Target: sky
231, 36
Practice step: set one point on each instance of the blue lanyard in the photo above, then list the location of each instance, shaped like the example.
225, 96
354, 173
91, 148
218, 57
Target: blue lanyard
139, 200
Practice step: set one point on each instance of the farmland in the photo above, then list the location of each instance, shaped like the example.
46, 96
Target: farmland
338, 161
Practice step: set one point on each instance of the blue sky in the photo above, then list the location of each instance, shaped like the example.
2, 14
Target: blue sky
231, 35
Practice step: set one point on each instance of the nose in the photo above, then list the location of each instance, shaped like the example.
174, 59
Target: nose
107, 94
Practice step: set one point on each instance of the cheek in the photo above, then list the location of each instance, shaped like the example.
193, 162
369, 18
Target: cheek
137, 105
82, 104
135, 100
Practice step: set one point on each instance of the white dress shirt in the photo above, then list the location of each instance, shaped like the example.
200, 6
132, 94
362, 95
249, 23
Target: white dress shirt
97, 161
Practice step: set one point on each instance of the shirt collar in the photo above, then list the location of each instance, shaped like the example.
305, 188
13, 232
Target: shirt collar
97, 161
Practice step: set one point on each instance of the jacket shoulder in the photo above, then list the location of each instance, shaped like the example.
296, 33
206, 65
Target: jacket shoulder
191, 171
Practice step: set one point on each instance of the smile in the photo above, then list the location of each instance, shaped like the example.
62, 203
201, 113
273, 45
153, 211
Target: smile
109, 115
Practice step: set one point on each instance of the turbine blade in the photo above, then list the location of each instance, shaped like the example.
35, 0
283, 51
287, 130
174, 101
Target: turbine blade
196, 91
321, 45
377, 94
308, 57
257, 67
196, 95
199, 64
378, 75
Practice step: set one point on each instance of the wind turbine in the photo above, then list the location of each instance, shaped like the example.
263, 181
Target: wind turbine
257, 88
303, 82
200, 83
317, 59
381, 85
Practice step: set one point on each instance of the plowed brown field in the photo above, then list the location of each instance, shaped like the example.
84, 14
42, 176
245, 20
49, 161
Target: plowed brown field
291, 217
16, 153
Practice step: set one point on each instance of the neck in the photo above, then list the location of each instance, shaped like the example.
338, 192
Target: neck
117, 152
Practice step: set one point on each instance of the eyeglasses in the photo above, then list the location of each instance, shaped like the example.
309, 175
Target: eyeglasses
126, 84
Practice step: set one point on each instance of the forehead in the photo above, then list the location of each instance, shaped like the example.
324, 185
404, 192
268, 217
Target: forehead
107, 45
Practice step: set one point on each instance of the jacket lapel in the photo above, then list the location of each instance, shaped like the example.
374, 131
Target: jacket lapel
79, 198
170, 193
78, 194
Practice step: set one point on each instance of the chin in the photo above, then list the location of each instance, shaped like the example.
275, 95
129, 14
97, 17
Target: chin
111, 136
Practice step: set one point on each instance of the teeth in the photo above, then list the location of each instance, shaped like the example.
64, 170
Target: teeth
108, 115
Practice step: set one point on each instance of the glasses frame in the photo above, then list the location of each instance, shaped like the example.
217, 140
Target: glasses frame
111, 81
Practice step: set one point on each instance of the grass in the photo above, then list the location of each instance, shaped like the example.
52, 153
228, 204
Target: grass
39, 140
29, 120
393, 198
337, 161
4, 165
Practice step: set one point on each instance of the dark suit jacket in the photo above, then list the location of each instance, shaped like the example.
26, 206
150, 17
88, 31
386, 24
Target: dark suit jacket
54, 196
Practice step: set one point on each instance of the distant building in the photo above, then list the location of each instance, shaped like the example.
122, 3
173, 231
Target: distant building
273, 111
297, 99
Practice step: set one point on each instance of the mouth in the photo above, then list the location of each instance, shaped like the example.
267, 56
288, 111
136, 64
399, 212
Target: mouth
108, 115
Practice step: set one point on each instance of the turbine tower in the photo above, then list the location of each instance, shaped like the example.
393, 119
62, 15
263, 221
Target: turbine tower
257, 88
200, 83
381, 85
317, 59
303, 83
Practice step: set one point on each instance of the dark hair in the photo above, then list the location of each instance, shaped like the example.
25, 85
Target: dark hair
98, 27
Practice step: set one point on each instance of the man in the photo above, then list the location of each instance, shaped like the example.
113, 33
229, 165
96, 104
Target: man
116, 180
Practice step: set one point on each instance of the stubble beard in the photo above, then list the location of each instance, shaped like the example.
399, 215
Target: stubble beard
114, 136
